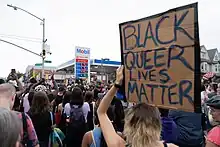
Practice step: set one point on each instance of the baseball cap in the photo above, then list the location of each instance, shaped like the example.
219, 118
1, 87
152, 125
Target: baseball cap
214, 102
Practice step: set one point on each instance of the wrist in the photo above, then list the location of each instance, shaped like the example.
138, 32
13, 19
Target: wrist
117, 85
117, 82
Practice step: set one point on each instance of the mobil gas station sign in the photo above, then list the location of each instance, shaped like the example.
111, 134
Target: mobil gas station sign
82, 52
82, 63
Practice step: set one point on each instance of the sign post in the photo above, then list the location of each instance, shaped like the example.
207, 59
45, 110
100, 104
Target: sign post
82, 63
161, 57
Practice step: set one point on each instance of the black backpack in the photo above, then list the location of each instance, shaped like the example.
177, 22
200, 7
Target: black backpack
77, 118
76, 127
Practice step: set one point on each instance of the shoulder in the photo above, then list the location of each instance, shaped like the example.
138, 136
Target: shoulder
60, 106
171, 145
19, 114
88, 135
214, 131
214, 135
87, 139
86, 104
67, 105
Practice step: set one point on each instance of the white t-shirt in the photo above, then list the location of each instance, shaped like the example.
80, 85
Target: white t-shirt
85, 109
26, 104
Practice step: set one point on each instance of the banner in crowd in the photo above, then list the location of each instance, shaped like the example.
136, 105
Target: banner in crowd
82, 63
161, 56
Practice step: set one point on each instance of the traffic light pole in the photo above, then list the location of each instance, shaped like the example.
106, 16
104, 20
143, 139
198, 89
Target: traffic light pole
43, 49
43, 54
28, 50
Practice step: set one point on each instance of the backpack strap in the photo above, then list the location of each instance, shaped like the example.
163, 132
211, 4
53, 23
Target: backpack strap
96, 135
93, 139
25, 131
51, 118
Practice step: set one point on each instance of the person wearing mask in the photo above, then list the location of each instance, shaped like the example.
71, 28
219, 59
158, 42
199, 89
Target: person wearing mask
213, 137
142, 122
10, 128
7, 98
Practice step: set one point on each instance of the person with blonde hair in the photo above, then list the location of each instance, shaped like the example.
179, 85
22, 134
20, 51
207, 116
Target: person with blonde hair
142, 122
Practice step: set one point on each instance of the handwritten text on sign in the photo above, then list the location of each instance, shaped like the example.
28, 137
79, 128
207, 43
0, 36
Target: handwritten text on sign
158, 55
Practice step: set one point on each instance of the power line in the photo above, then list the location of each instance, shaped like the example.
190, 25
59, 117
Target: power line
9, 35
20, 39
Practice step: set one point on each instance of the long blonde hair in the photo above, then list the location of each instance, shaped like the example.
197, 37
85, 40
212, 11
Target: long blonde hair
142, 126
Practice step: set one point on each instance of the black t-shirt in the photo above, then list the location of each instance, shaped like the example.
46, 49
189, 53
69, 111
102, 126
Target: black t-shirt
42, 124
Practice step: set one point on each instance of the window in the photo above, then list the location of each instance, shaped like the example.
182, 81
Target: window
205, 64
202, 55
202, 66
216, 67
216, 57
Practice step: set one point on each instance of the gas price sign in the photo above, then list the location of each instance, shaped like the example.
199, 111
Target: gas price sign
82, 63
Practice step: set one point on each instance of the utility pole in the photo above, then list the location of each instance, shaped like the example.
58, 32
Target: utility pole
43, 48
43, 54
102, 67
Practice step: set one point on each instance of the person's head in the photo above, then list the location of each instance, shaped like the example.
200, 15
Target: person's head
77, 97
10, 127
142, 125
33, 81
7, 95
89, 96
61, 91
40, 103
110, 112
2, 81
40, 88
50, 96
30, 97
214, 104
164, 112
67, 98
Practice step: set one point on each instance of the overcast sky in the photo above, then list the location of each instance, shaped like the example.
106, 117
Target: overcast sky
88, 23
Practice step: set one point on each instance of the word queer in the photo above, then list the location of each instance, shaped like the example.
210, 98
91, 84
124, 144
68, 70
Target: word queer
143, 58
175, 93
136, 31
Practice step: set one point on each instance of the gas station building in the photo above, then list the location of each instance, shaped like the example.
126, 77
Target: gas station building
102, 69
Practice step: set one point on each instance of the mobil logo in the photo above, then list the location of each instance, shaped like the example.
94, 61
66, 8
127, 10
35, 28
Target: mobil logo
83, 51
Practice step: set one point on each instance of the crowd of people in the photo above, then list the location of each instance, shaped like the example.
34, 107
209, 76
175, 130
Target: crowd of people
39, 114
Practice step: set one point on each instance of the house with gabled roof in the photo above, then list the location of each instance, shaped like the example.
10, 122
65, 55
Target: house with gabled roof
214, 58
206, 64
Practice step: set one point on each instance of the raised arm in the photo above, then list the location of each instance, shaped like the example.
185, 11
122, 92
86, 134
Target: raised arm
111, 137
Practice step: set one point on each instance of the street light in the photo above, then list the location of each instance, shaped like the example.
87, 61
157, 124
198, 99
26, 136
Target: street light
102, 68
43, 54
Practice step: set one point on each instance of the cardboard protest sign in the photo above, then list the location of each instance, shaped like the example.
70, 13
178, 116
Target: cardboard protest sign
161, 57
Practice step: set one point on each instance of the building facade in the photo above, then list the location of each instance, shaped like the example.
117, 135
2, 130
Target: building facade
210, 60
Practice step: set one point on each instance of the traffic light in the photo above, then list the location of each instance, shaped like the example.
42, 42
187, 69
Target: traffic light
44, 53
